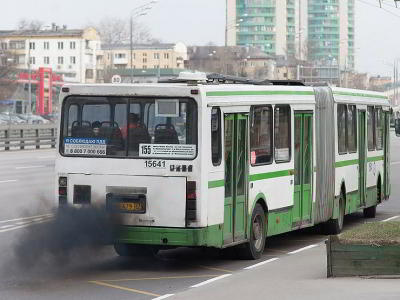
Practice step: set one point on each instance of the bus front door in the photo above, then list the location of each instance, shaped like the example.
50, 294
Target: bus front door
236, 161
362, 155
303, 166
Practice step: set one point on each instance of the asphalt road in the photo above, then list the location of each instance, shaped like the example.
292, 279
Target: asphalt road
293, 265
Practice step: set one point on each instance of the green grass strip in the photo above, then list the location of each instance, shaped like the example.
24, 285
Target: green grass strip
257, 93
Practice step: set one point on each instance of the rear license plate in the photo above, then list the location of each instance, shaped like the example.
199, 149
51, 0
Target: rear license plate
126, 204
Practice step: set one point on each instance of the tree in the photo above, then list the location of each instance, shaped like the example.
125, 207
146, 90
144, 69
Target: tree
7, 69
117, 31
29, 24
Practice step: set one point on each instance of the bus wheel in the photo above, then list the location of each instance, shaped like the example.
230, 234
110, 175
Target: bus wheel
335, 226
255, 247
130, 250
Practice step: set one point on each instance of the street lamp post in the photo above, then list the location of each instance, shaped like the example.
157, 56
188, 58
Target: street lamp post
29, 82
137, 12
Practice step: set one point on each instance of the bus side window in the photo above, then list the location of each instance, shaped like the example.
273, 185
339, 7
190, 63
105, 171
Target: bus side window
261, 135
352, 128
342, 128
379, 128
216, 150
282, 133
371, 128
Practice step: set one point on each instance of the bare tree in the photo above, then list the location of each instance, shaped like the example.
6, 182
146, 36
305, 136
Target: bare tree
7, 68
28, 24
117, 31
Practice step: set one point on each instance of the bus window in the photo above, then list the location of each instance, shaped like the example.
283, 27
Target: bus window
216, 136
342, 128
352, 128
72, 116
115, 126
282, 133
371, 128
261, 135
379, 128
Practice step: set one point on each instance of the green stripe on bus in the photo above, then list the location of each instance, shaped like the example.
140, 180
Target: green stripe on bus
346, 163
376, 158
270, 175
216, 183
256, 93
360, 95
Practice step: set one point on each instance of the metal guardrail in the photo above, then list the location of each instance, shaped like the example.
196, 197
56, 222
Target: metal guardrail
13, 137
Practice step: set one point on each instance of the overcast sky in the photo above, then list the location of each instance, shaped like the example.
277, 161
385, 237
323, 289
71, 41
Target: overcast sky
197, 22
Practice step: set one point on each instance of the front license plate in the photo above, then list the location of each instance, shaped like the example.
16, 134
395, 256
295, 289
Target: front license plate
126, 203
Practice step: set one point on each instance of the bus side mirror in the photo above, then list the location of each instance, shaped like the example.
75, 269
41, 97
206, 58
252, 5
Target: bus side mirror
397, 127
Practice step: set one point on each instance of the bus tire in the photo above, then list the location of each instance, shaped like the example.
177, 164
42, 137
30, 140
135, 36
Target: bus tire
335, 226
370, 212
130, 250
254, 248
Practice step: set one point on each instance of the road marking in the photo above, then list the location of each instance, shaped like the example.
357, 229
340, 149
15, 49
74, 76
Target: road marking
6, 226
24, 222
215, 269
159, 278
26, 218
21, 226
304, 248
163, 297
395, 163
210, 280
29, 167
261, 263
124, 288
46, 157
8, 181
389, 219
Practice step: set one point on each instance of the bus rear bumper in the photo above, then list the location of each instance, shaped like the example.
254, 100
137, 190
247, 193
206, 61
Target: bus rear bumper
186, 237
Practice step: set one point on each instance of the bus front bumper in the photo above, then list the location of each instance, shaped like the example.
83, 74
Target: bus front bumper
186, 237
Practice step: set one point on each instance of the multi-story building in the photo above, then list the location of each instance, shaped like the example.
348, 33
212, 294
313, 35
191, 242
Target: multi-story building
316, 30
145, 56
331, 31
72, 53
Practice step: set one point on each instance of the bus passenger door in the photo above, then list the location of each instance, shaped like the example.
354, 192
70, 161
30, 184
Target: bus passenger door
303, 165
236, 160
362, 157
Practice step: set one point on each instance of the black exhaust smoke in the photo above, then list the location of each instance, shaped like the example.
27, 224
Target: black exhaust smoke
73, 231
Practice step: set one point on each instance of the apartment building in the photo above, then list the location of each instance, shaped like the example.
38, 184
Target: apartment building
316, 30
144, 56
72, 53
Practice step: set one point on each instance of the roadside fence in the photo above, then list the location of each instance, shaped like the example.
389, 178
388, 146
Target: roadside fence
27, 136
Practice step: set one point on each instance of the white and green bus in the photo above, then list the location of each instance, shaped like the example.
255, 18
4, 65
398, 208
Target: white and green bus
224, 162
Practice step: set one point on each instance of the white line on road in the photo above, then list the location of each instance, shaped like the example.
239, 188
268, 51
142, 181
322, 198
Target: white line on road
210, 280
6, 226
395, 163
26, 218
8, 181
304, 248
29, 167
261, 263
163, 297
23, 222
22, 226
389, 219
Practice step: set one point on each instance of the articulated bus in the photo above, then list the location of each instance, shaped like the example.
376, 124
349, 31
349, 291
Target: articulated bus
223, 163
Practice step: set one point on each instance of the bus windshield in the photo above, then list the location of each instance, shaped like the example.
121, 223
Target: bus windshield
129, 127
